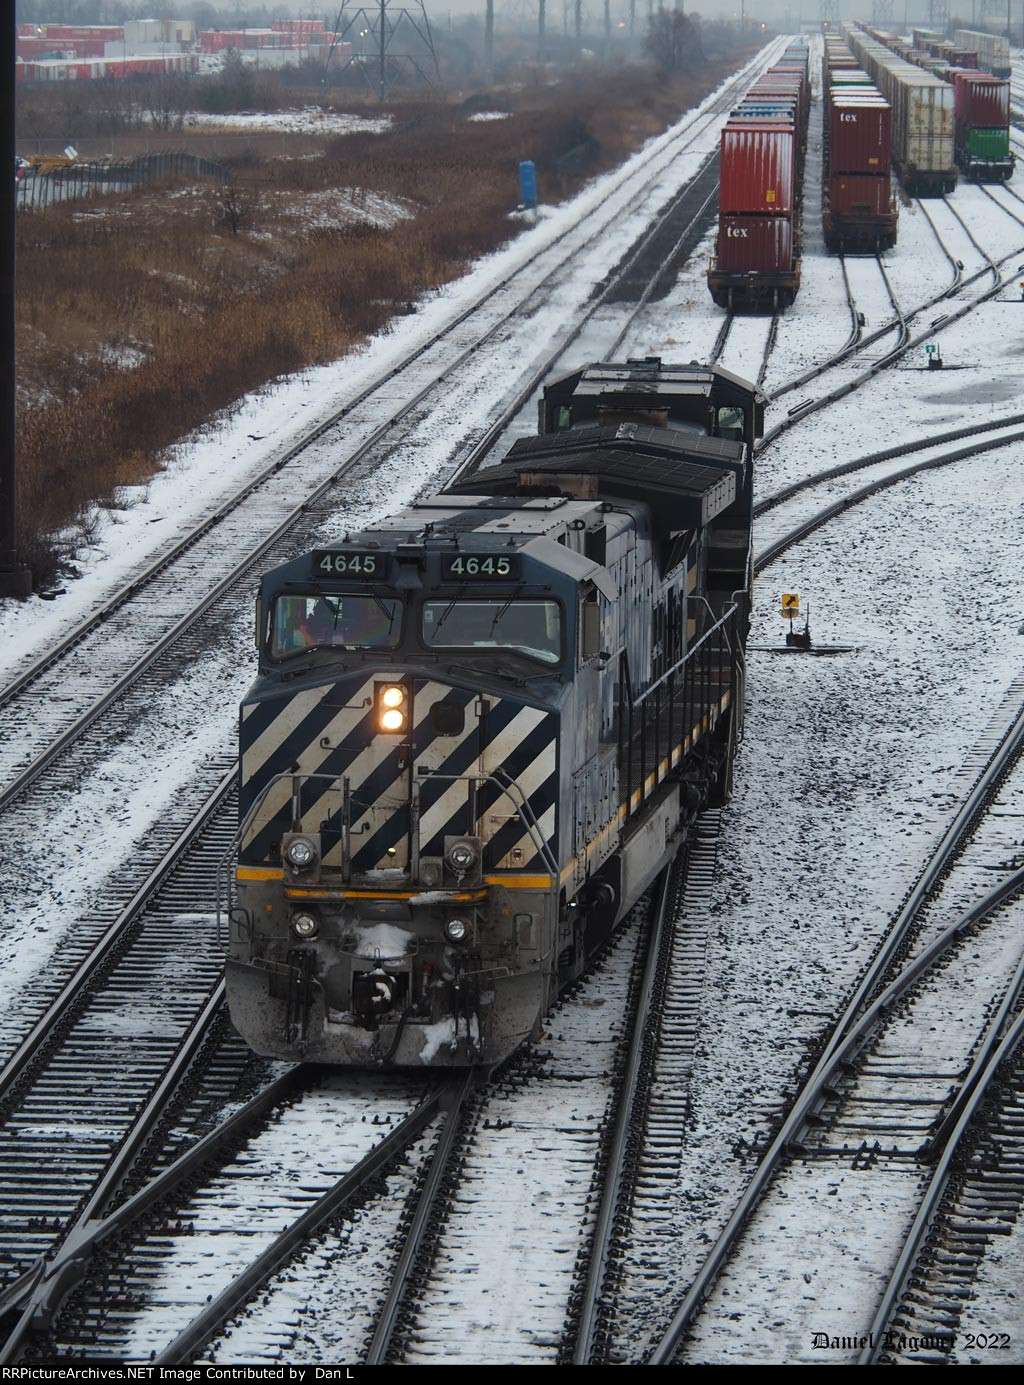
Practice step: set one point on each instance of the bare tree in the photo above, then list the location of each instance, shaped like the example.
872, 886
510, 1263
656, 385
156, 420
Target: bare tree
673, 41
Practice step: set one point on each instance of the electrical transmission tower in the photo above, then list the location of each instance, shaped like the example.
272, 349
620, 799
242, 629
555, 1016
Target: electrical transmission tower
938, 15
830, 15
378, 31
882, 14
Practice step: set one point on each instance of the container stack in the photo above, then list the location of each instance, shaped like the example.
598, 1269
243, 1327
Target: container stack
922, 114
992, 51
982, 125
756, 266
858, 211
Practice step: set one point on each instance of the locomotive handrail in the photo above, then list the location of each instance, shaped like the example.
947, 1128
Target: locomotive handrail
224, 867
693, 649
522, 808
701, 650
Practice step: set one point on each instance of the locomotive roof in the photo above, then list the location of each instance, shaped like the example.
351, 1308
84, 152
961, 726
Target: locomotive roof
685, 477
652, 376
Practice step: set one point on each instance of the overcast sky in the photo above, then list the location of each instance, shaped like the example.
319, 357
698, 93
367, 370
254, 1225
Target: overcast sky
906, 13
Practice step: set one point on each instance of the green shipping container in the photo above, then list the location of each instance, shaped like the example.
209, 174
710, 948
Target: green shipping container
989, 144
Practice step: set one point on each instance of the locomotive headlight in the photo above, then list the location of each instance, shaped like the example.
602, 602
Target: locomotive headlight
305, 925
392, 707
300, 853
462, 857
456, 930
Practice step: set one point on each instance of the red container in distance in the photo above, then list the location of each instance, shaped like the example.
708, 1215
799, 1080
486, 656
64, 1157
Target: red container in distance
757, 171
859, 134
762, 244
860, 195
982, 101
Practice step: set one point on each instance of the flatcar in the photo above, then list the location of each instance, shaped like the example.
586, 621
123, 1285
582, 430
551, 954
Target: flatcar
482, 726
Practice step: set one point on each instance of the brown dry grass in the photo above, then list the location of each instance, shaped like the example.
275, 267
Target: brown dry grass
141, 315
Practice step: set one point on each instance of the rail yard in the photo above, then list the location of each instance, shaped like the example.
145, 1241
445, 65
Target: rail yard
779, 1111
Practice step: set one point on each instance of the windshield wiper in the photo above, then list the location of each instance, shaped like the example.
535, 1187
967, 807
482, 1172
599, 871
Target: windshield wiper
390, 614
505, 607
446, 613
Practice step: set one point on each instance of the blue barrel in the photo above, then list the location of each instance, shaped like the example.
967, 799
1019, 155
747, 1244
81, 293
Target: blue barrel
528, 183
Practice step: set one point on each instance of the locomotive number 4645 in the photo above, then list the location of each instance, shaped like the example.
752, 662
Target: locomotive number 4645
350, 564
463, 566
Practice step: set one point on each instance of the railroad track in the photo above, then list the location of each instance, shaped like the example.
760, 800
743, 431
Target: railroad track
62, 998
807, 1128
134, 927
973, 1202
465, 1130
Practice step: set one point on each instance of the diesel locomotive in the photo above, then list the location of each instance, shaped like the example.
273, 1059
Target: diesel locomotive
481, 726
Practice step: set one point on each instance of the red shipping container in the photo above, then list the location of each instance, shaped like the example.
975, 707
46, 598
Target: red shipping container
982, 101
859, 135
860, 194
757, 167
760, 243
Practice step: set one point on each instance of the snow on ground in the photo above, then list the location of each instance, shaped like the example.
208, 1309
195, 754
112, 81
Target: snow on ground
845, 776
847, 768
309, 121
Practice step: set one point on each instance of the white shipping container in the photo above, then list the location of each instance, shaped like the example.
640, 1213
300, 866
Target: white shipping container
993, 50
923, 108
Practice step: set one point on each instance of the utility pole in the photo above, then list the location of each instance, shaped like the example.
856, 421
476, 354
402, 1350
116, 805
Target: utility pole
15, 578
540, 32
489, 45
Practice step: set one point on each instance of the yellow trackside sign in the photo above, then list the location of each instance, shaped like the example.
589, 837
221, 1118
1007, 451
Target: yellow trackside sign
790, 605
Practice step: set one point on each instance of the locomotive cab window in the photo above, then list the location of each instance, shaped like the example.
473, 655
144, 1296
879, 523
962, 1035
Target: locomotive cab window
731, 423
300, 623
531, 628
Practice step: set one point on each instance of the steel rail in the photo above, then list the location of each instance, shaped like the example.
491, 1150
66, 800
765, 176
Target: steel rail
903, 320
971, 237
40, 1293
387, 1319
873, 458
53, 1284
715, 354
958, 268
72, 991
856, 324
103, 612
775, 550
769, 347
619, 1148
812, 406
205, 1326
929, 1209
482, 448
844, 1035
1010, 192
644, 298
904, 332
